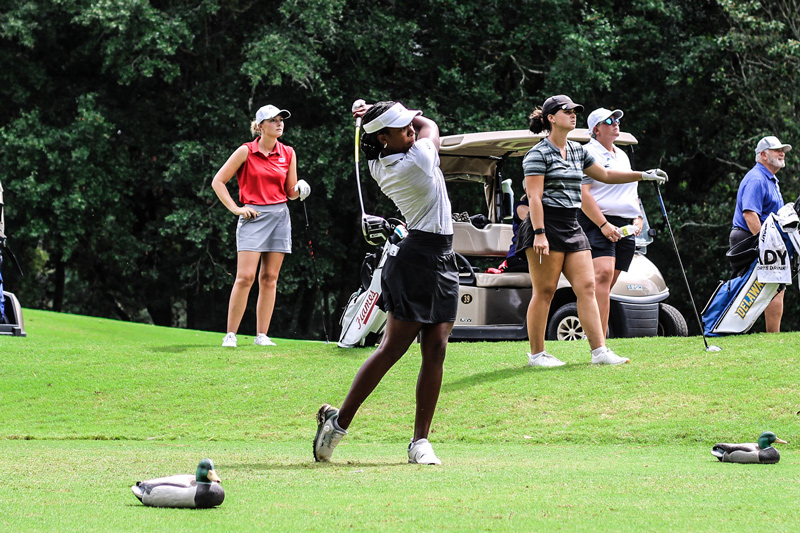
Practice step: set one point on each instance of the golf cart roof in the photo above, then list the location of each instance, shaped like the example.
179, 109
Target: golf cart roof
513, 143
479, 157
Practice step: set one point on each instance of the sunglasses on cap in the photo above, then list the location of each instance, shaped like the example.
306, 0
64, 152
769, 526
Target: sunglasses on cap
611, 120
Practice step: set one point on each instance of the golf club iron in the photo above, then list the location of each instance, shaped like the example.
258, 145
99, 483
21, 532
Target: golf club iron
314, 271
372, 227
710, 348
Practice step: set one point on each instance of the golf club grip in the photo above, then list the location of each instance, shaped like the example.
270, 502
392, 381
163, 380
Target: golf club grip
358, 138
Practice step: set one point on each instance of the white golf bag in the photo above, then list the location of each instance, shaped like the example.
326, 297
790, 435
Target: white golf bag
363, 321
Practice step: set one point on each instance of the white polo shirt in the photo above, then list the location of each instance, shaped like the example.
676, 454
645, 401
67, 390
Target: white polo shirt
621, 199
415, 183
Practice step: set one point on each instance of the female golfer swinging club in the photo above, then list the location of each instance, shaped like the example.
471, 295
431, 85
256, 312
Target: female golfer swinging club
420, 277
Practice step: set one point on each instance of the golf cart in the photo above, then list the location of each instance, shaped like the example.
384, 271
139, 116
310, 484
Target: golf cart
494, 306
11, 322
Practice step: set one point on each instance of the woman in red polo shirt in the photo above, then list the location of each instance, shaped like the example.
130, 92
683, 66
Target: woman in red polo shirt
266, 170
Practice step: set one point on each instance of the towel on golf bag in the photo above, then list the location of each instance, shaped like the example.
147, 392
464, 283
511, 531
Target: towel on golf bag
773, 256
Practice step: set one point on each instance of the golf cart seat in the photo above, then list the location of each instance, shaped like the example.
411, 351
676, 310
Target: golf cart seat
16, 325
492, 240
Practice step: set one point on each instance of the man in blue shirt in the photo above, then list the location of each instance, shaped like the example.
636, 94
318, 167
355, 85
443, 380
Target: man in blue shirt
759, 195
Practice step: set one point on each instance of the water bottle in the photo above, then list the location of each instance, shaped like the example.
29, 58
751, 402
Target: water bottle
628, 230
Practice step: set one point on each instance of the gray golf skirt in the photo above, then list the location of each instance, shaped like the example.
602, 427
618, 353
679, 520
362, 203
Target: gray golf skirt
270, 231
420, 282
561, 228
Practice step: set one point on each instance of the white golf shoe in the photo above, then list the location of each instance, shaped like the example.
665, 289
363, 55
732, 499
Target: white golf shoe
544, 359
604, 356
263, 340
230, 340
328, 433
420, 452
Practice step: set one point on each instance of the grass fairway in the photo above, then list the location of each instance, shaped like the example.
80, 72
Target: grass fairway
89, 406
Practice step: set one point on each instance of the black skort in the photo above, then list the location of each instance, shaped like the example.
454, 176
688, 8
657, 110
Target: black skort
561, 228
420, 282
622, 250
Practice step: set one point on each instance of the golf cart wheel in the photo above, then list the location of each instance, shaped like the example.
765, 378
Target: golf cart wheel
564, 325
671, 322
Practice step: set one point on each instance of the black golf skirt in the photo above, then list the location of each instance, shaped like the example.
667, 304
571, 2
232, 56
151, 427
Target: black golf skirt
561, 228
420, 281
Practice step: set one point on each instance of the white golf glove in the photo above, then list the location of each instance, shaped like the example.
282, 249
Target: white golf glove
303, 188
656, 174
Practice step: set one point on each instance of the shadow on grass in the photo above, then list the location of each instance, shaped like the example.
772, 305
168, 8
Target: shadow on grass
177, 348
349, 465
505, 373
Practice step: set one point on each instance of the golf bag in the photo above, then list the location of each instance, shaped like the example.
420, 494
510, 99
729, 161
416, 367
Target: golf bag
10, 311
363, 321
737, 303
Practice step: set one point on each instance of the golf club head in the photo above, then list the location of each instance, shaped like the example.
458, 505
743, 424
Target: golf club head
375, 229
712, 348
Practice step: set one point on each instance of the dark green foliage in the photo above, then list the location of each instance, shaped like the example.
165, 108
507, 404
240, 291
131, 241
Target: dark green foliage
118, 114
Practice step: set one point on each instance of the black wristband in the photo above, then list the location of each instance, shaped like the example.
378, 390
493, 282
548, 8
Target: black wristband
603, 224
538, 231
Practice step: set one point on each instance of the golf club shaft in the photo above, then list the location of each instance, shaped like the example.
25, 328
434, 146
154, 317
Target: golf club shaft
358, 176
358, 103
314, 271
678, 254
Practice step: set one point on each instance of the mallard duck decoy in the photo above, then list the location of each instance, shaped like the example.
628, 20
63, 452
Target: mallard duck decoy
200, 491
751, 452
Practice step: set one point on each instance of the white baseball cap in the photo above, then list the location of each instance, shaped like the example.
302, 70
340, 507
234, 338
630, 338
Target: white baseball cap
396, 116
599, 115
771, 143
270, 111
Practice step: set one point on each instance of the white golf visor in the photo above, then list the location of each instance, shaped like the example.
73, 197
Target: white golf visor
396, 116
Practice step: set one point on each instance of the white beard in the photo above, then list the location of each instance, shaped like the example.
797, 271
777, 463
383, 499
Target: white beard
775, 162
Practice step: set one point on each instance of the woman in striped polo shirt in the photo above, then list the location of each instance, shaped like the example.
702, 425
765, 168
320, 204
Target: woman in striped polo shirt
551, 237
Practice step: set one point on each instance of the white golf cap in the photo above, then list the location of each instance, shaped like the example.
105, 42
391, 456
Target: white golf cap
396, 116
270, 111
771, 143
599, 115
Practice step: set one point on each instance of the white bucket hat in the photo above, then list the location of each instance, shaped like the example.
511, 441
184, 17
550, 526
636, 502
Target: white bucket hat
396, 116
270, 111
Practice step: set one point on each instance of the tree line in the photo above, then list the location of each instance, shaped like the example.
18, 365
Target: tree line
117, 114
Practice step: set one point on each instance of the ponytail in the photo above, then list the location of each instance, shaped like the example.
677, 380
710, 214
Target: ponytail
537, 122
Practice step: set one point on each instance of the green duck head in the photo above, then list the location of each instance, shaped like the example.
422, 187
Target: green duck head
767, 438
206, 473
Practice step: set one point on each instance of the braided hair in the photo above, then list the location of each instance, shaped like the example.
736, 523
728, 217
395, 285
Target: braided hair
369, 141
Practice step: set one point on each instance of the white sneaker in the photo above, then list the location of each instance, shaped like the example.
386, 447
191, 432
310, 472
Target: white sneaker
230, 340
421, 453
328, 433
544, 359
607, 357
263, 340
